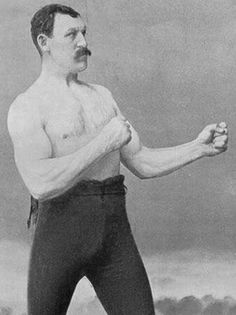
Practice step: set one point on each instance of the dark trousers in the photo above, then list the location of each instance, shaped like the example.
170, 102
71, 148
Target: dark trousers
85, 232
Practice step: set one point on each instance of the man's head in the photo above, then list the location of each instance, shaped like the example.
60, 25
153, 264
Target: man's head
58, 31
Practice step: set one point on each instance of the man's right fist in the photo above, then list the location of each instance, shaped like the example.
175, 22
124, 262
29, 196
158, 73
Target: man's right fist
118, 132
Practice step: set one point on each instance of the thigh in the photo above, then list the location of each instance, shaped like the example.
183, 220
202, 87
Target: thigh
121, 281
54, 270
67, 234
51, 282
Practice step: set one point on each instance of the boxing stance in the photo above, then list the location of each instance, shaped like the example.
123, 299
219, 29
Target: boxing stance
69, 140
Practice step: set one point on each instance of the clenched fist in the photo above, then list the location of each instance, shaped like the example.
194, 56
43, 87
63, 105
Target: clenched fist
118, 132
214, 139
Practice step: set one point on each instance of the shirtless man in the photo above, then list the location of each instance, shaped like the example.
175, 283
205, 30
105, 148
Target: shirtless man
69, 140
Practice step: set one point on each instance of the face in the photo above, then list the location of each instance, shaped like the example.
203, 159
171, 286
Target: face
68, 46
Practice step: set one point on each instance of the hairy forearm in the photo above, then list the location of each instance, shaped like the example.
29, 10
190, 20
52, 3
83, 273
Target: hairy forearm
149, 163
48, 178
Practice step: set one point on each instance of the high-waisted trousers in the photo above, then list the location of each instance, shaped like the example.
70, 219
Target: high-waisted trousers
86, 232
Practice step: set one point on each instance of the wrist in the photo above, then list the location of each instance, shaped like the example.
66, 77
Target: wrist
106, 142
200, 148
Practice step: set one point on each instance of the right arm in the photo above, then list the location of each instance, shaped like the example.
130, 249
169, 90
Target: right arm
47, 177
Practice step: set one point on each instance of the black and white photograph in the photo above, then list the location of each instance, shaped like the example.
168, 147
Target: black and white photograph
117, 164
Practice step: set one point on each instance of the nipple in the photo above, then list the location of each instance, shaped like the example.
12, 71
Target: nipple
65, 136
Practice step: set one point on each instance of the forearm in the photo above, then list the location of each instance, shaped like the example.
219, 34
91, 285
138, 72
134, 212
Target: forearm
149, 163
47, 178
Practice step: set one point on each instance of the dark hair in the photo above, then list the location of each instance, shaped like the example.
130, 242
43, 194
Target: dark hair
43, 20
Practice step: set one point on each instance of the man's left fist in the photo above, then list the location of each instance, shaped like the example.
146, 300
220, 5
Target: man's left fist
214, 139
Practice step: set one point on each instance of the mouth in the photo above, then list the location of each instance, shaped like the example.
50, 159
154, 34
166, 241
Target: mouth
82, 52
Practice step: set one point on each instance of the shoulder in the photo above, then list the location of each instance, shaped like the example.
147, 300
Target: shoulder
19, 108
106, 94
22, 113
95, 87
101, 89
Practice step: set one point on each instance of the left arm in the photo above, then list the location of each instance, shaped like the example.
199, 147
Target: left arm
149, 163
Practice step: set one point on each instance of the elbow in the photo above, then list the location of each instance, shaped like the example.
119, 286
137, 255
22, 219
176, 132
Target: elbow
40, 194
40, 185
143, 169
142, 172
147, 172
42, 191
142, 176
139, 168
48, 190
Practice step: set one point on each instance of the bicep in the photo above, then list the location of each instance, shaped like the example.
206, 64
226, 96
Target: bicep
29, 139
33, 146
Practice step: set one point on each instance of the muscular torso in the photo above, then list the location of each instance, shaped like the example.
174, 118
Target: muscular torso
72, 118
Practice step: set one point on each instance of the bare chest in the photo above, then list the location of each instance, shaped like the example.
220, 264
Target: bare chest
72, 121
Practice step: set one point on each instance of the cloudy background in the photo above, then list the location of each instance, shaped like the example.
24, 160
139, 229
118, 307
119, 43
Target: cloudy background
171, 66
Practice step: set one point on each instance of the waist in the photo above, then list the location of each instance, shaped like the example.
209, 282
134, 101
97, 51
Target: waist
91, 187
110, 185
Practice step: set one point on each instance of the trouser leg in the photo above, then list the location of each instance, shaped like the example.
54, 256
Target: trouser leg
118, 274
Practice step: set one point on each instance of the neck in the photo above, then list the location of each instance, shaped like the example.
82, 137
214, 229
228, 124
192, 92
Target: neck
52, 73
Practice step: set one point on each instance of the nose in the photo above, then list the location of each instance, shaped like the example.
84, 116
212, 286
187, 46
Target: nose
81, 41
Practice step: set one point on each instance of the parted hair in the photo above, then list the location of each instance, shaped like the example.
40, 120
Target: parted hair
43, 20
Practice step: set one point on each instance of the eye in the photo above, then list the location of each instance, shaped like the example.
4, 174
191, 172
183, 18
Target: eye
84, 32
71, 35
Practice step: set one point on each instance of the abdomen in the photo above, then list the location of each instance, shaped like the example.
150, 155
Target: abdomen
106, 167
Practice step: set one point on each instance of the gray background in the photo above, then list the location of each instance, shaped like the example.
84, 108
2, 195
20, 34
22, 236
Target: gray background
171, 68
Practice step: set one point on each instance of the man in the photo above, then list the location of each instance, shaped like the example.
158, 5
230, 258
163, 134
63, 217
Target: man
69, 140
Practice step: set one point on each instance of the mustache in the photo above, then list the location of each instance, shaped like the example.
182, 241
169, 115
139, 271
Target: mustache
83, 51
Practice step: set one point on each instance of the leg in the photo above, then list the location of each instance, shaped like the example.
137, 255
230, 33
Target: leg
51, 282
120, 279
55, 267
68, 232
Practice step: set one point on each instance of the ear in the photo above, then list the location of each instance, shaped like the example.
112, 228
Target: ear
43, 42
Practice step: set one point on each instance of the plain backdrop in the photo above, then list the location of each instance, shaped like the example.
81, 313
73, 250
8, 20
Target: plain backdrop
171, 66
